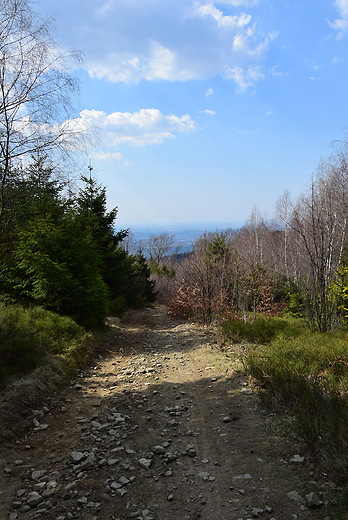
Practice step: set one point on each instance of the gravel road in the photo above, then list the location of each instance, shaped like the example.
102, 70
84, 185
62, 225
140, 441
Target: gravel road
163, 426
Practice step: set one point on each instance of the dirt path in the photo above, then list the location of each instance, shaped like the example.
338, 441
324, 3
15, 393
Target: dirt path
163, 427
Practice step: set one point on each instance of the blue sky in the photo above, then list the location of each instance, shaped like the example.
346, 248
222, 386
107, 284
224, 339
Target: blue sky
206, 108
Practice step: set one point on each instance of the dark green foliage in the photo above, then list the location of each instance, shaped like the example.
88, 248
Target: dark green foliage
62, 269
66, 256
162, 270
141, 289
130, 285
91, 207
126, 276
28, 335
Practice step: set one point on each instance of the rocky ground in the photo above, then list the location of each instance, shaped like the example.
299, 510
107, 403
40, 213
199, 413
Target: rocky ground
164, 426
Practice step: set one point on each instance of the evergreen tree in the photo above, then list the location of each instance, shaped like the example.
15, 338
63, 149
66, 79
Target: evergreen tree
91, 207
62, 269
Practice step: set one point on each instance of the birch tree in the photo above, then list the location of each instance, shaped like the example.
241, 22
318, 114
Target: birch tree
319, 220
36, 92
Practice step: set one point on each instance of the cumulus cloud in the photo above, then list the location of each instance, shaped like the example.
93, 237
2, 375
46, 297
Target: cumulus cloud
207, 111
146, 127
341, 24
222, 21
109, 157
160, 63
176, 41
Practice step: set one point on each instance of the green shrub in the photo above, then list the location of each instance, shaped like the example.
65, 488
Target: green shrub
262, 330
309, 376
27, 336
118, 306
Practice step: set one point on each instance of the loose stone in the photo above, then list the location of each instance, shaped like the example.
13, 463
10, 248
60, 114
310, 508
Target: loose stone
297, 458
159, 450
76, 457
34, 499
37, 474
145, 463
256, 512
313, 501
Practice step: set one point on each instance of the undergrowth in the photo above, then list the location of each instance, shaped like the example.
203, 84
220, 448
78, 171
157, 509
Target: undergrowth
262, 329
307, 373
31, 336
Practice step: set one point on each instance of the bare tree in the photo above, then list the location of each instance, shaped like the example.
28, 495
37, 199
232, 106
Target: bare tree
130, 244
159, 246
319, 221
290, 251
36, 90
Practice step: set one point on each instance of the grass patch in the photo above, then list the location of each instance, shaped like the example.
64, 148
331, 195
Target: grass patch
262, 330
31, 336
307, 372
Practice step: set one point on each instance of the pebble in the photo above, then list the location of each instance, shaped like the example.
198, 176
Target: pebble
297, 458
294, 496
145, 463
313, 501
37, 474
76, 457
34, 498
159, 450
256, 512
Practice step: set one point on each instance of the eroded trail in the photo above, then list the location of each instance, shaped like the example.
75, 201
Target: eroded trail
161, 428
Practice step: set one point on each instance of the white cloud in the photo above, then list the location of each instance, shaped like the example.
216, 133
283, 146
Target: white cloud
275, 72
160, 63
341, 24
245, 78
146, 127
109, 157
175, 41
207, 111
230, 22
209, 92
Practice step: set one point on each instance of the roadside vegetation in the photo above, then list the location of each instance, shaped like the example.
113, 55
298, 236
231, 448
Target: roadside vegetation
32, 337
63, 267
303, 373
